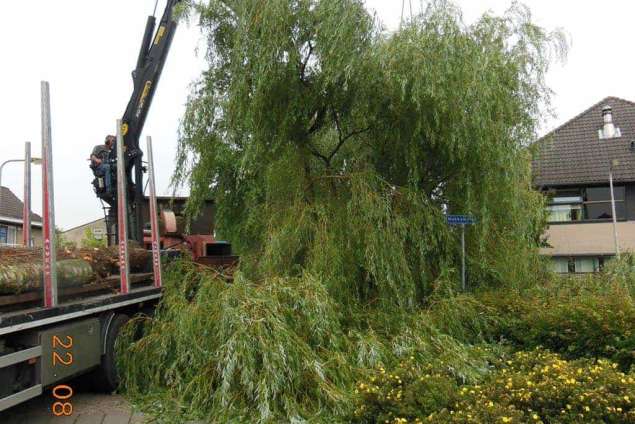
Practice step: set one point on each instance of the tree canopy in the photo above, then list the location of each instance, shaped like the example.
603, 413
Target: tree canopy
333, 145
334, 150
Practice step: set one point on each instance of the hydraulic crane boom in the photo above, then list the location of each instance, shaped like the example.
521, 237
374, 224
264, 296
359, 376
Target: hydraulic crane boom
152, 56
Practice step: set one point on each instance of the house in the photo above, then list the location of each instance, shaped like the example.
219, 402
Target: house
11, 220
572, 166
76, 235
202, 224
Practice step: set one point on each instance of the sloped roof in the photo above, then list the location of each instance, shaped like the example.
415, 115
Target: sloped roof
573, 153
11, 206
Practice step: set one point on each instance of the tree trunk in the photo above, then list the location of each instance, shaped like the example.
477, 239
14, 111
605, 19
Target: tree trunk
15, 279
21, 268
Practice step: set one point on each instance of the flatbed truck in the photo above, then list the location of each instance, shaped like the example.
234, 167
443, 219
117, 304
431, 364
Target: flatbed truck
51, 336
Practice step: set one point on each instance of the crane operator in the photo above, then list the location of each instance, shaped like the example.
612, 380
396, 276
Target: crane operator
99, 163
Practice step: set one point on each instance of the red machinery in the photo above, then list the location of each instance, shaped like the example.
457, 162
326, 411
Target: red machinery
202, 245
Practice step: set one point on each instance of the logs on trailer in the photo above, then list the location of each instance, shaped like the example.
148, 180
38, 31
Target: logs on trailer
21, 268
19, 278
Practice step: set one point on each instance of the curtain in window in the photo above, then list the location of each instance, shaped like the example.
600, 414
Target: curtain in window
586, 264
560, 265
565, 213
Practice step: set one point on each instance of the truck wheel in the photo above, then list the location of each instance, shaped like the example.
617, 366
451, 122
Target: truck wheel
106, 378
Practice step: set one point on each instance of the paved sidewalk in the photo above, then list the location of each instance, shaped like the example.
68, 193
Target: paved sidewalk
88, 408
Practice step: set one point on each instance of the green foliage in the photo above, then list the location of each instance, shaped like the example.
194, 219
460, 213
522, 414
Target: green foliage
89, 241
271, 351
262, 341
61, 242
528, 387
332, 146
622, 271
333, 151
592, 317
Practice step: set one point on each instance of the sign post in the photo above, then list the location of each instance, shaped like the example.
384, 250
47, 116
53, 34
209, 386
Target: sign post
154, 220
122, 214
26, 209
462, 221
48, 206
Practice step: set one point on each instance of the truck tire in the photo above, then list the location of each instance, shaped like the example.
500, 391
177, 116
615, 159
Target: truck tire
106, 376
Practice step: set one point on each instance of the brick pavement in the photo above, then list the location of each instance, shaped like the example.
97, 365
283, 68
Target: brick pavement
88, 408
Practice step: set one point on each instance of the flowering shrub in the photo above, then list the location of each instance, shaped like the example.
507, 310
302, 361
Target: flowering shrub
527, 387
405, 392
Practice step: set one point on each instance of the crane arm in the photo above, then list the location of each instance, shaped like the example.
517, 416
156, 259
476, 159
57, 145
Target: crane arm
152, 56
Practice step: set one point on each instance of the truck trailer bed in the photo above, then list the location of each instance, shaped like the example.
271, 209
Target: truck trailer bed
33, 317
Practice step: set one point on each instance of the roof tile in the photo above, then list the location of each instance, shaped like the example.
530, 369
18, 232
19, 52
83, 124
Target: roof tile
11, 206
573, 153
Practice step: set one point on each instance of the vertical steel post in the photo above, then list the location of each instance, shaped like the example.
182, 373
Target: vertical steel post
26, 209
617, 245
154, 220
48, 206
122, 214
463, 285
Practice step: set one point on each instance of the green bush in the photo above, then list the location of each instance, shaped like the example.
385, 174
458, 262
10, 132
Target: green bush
578, 318
530, 387
622, 271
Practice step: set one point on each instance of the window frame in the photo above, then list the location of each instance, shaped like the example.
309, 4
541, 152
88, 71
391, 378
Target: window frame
567, 193
11, 235
572, 262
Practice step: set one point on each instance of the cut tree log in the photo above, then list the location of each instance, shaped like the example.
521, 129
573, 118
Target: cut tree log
15, 279
21, 268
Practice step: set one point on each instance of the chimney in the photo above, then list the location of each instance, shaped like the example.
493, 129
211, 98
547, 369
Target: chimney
609, 130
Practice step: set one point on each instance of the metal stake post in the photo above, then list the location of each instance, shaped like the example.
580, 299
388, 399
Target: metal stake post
154, 221
122, 214
48, 206
26, 210
463, 285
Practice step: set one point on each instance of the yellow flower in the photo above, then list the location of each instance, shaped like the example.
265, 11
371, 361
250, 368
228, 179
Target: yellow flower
535, 417
506, 420
587, 409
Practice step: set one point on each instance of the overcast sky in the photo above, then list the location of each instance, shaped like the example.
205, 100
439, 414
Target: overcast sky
87, 49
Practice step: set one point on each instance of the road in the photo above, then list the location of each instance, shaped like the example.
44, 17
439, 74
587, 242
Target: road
88, 408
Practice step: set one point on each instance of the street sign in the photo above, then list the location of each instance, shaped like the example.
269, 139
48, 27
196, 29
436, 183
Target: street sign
460, 219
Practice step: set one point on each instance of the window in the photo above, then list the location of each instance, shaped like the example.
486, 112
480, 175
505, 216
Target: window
597, 203
592, 203
564, 213
583, 265
577, 265
7, 235
560, 265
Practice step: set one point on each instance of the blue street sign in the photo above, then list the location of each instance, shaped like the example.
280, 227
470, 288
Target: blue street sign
460, 219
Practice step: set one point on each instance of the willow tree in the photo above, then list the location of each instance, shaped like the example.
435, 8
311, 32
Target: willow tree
333, 150
333, 146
